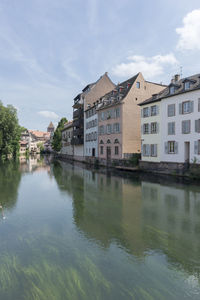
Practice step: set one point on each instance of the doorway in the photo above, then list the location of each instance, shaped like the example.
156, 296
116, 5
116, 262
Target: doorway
187, 152
93, 152
108, 152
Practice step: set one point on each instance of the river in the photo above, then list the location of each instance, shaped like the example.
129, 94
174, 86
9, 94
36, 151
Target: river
68, 232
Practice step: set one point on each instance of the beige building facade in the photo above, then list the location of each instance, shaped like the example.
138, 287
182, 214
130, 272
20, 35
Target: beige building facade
119, 117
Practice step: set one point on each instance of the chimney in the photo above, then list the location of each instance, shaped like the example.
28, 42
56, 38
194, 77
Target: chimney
177, 77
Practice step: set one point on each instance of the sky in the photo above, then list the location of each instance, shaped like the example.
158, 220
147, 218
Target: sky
50, 50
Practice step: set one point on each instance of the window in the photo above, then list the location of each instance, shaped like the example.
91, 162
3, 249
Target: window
171, 110
102, 115
154, 127
197, 125
116, 150
108, 141
101, 150
186, 107
171, 147
154, 110
145, 112
186, 126
197, 147
116, 127
187, 85
172, 90
154, 150
108, 128
95, 136
138, 85
101, 142
145, 150
199, 105
171, 128
117, 112
145, 128
116, 141
101, 129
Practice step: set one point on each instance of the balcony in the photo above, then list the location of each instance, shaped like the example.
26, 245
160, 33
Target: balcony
78, 123
78, 131
78, 113
77, 141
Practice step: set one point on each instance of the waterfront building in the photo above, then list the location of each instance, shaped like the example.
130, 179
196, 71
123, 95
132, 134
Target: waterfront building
178, 140
119, 118
67, 134
91, 132
81, 102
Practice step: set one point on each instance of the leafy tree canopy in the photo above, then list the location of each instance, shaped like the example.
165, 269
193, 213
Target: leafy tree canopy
57, 137
9, 131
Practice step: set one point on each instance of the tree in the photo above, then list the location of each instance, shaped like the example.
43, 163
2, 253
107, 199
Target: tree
9, 131
57, 137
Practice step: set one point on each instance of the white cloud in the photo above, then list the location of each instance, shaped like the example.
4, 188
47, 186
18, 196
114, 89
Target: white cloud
48, 114
190, 32
149, 66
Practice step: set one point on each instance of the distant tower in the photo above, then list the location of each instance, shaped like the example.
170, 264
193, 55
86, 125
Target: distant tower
50, 128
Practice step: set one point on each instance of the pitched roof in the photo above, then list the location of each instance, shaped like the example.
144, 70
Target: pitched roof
117, 94
179, 89
40, 134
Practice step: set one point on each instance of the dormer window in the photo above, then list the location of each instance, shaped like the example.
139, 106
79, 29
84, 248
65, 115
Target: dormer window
172, 90
187, 85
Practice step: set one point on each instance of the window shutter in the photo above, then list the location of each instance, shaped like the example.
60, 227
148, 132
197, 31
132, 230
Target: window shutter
142, 149
196, 125
141, 112
176, 147
183, 127
180, 109
157, 109
142, 129
195, 147
148, 150
148, 111
199, 104
191, 106
166, 147
157, 127
155, 149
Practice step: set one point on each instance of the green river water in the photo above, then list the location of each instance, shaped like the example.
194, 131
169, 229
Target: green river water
68, 232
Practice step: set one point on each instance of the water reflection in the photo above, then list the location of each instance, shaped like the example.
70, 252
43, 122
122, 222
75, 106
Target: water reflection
139, 217
10, 177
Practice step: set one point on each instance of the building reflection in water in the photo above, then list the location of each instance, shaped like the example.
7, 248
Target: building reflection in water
139, 217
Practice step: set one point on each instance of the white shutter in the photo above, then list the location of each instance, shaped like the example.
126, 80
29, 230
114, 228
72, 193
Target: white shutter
199, 105
176, 148
166, 147
196, 125
155, 149
141, 112
191, 106
157, 109
157, 127
195, 147
142, 131
180, 109
148, 150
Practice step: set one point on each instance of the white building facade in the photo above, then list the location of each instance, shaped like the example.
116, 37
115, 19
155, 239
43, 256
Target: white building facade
150, 132
180, 138
91, 132
67, 135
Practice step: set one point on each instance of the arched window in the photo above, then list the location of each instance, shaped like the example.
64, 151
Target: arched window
101, 142
108, 141
116, 141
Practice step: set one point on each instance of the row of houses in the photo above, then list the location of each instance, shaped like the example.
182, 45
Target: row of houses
112, 122
32, 140
106, 119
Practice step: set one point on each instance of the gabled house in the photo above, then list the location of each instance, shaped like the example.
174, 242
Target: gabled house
81, 102
119, 118
178, 140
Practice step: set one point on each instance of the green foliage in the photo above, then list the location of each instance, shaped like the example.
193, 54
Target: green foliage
134, 160
41, 147
9, 132
57, 137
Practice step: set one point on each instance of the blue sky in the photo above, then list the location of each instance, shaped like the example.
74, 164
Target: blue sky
49, 50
